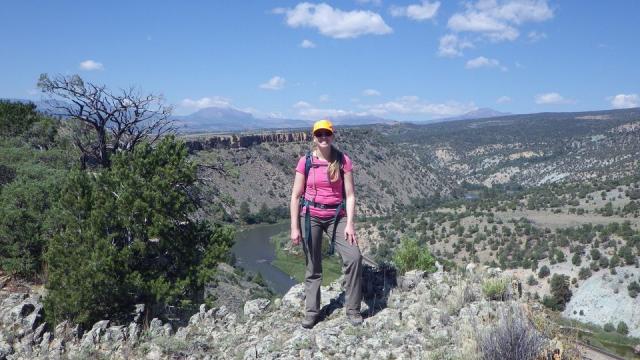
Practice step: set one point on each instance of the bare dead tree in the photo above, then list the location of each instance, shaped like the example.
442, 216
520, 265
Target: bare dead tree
107, 122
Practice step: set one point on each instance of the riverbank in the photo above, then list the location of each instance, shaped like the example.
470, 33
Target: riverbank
254, 252
595, 335
293, 263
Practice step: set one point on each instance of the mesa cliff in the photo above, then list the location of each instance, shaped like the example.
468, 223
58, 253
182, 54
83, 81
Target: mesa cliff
234, 141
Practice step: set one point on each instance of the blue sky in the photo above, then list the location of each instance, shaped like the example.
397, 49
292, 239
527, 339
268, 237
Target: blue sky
404, 60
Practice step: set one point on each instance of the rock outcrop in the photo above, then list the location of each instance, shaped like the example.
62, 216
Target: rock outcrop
604, 298
437, 316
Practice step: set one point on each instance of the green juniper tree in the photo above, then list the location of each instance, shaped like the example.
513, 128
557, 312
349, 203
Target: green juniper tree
125, 235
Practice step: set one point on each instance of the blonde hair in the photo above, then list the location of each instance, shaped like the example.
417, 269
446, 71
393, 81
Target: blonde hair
333, 170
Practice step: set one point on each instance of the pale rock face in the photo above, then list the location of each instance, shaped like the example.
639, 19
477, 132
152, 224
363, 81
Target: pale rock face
604, 298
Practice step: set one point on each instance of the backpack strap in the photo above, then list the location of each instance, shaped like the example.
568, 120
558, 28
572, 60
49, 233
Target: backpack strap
343, 205
304, 203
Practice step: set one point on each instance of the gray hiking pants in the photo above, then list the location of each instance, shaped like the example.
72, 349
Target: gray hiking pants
351, 265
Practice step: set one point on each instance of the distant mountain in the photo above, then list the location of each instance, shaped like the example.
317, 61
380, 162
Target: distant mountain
224, 119
360, 120
481, 113
229, 119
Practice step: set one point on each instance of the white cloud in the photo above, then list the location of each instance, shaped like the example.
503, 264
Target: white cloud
479, 22
335, 23
498, 20
301, 105
400, 107
413, 105
535, 36
371, 92
275, 83
324, 98
372, 2
418, 12
205, 102
482, 61
552, 98
307, 44
503, 100
451, 45
623, 101
90, 65
318, 113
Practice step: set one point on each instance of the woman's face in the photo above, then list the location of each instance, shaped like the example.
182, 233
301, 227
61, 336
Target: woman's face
323, 138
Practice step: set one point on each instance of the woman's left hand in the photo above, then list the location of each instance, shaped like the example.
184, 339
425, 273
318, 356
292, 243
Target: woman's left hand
350, 234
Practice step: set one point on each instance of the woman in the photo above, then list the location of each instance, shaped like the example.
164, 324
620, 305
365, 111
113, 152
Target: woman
323, 179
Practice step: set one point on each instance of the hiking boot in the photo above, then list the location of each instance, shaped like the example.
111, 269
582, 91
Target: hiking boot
354, 318
309, 321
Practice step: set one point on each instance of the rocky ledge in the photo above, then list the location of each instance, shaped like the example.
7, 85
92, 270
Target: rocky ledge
425, 316
202, 142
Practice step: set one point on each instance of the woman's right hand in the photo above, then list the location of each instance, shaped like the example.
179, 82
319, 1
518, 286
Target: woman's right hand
296, 237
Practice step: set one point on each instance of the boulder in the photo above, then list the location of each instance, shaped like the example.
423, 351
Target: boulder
255, 307
133, 333
471, 268
410, 279
157, 329
92, 337
35, 317
5, 350
294, 298
138, 313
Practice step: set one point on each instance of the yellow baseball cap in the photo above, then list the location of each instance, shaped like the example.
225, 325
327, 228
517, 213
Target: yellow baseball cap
322, 125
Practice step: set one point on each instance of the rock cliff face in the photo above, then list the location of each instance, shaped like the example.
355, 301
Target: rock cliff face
604, 298
235, 141
437, 316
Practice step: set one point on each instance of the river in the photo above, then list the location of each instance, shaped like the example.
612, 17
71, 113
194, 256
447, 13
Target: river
254, 252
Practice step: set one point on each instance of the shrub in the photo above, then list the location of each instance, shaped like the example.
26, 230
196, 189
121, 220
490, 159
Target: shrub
584, 273
495, 288
531, 280
550, 302
604, 262
622, 328
608, 327
544, 272
512, 338
560, 290
125, 236
17, 117
634, 289
25, 213
576, 259
30, 183
410, 255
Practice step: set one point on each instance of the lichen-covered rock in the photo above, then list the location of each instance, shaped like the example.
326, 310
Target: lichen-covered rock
429, 317
255, 307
